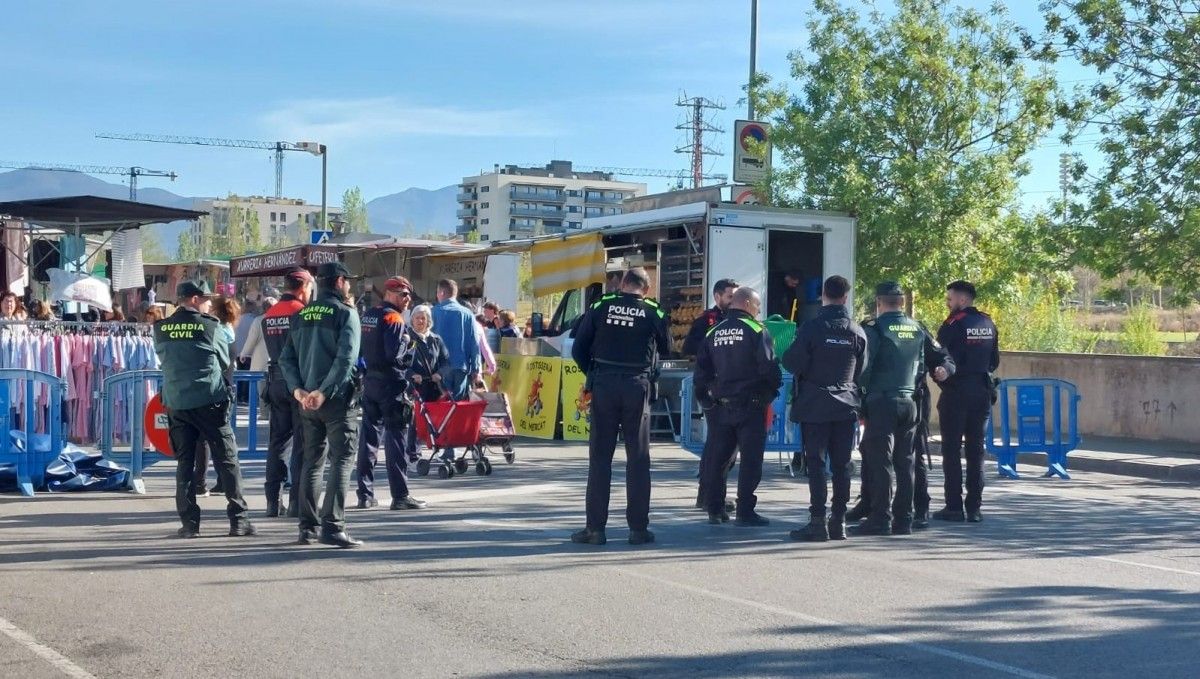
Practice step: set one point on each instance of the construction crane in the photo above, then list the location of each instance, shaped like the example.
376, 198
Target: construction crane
277, 146
646, 172
132, 172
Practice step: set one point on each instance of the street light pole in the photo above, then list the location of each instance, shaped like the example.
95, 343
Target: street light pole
753, 56
324, 184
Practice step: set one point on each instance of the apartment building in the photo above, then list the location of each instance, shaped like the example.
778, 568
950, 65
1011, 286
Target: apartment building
281, 221
517, 202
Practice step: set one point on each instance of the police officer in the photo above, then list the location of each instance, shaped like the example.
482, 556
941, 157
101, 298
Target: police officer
937, 362
198, 396
894, 346
285, 447
387, 413
736, 380
318, 362
616, 346
826, 360
722, 295
972, 340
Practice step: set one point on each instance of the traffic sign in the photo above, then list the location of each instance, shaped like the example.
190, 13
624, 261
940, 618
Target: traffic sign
318, 237
751, 165
745, 196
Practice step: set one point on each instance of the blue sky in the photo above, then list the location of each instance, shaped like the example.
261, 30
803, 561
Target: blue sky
404, 92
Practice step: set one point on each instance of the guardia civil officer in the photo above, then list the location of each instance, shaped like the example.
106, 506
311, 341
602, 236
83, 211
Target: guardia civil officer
197, 396
936, 362
736, 380
826, 360
894, 346
973, 341
616, 346
285, 447
387, 412
318, 362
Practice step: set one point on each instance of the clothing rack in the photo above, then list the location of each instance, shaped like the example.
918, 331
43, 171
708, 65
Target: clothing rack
87, 325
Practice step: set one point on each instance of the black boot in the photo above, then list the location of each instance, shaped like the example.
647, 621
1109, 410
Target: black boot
974, 516
408, 502
588, 536
640, 537
858, 512
837, 527
920, 520
274, 509
952, 515
751, 519
718, 518
815, 531
870, 528
339, 539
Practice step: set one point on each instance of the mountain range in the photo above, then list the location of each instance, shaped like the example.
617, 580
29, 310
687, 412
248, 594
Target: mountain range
409, 212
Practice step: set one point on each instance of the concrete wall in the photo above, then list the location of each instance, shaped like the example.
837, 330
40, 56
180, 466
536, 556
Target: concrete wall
1143, 397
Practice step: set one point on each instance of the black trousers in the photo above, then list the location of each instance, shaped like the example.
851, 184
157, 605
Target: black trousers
208, 424
335, 423
887, 449
963, 411
837, 440
732, 428
285, 446
381, 428
620, 403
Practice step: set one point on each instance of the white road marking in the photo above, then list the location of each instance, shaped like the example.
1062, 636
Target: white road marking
886, 638
1146, 565
58, 660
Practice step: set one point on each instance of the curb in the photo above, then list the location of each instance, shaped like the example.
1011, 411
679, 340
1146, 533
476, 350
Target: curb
1138, 467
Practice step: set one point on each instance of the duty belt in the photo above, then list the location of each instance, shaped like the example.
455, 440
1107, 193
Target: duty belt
626, 368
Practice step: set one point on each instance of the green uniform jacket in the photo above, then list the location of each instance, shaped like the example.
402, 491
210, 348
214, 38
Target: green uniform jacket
895, 349
194, 357
322, 346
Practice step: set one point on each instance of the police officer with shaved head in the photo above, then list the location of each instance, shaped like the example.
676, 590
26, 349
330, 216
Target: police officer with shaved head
736, 380
895, 343
617, 344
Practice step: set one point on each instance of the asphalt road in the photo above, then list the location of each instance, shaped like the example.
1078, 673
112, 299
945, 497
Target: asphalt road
1096, 577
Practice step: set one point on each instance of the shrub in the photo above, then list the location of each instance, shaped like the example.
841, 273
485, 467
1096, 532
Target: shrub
1139, 334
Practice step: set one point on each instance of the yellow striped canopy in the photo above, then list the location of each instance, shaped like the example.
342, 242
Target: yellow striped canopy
560, 265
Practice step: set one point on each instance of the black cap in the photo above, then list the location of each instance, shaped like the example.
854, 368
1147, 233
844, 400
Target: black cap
889, 289
188, 289
333, 270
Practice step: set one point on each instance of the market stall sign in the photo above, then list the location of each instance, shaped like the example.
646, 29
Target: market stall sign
281, 260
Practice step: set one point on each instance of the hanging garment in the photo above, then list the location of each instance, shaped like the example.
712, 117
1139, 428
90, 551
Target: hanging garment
127, 270
15, 246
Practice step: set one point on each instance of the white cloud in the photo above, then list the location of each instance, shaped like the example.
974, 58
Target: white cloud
379, 118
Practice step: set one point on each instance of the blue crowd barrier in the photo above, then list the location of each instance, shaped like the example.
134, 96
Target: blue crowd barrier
31, 457
130, 389
782, 437
1031, 425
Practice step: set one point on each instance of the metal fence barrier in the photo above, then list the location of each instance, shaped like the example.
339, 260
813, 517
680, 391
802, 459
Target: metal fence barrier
1031, 426
31, 458
124, 398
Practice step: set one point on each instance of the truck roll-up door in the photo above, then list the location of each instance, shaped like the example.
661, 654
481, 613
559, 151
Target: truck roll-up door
739, 253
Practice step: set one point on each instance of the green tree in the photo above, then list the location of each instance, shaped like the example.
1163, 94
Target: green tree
152, 248
253, 229
920, 124
354, 211
472, 236
1140, 211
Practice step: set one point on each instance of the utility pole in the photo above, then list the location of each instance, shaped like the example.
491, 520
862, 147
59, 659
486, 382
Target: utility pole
324, 176
753, 57
698, 125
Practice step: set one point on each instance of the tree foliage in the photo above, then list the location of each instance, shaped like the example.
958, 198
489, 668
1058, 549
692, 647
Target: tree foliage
1138, 212
354, 211
919, 123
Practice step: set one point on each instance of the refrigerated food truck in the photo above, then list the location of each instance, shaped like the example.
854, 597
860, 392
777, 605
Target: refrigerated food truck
687, 248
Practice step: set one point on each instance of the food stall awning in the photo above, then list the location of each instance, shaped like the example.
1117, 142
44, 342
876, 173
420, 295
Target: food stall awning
279, 262
92, 214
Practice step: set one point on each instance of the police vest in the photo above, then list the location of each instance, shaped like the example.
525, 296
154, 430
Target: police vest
276, 323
